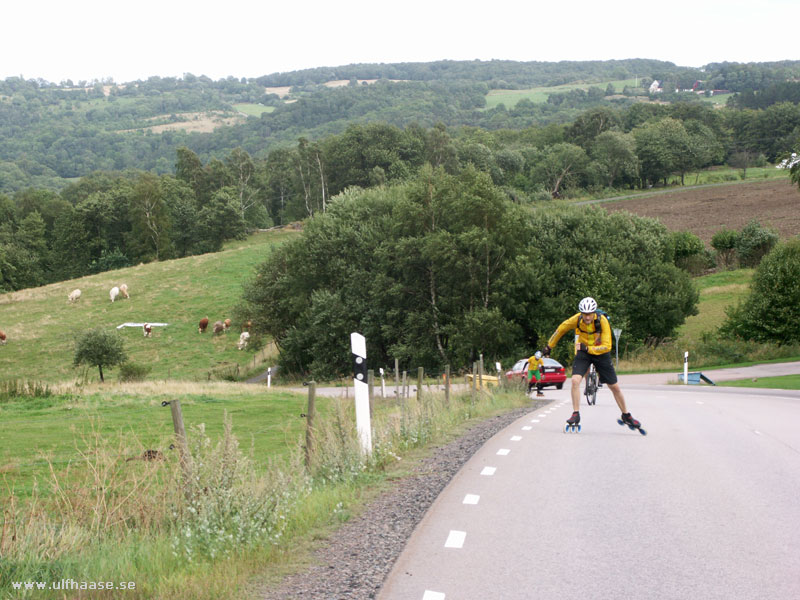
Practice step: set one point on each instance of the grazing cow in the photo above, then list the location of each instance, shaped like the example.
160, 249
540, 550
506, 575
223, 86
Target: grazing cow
227, 324
74, 295
219, 327
203, 325
148, 330
123, 289
244, 337
247, 325
2, 338
114, 293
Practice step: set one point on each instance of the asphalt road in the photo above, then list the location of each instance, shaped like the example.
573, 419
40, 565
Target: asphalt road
706, 506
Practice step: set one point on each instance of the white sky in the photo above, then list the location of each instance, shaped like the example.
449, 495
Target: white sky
96, 39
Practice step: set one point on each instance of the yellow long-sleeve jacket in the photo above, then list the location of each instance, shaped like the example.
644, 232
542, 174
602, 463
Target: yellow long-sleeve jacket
597, 342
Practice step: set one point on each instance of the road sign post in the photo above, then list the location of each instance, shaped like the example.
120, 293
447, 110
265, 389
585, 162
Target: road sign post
617, 333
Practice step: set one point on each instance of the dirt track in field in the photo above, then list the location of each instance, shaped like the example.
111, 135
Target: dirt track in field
704, 211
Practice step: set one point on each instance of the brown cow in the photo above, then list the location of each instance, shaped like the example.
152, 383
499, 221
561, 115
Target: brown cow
219, 327
203, 325
227, 324
148, 330
2, 338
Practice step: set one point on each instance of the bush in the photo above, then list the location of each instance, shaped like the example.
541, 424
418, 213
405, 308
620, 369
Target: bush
690, 252
769, 313
724, 242
129, 371
754, 243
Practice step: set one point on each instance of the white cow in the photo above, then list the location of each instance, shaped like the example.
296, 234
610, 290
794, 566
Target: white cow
114, 293
123, 289
244, 337
74, 295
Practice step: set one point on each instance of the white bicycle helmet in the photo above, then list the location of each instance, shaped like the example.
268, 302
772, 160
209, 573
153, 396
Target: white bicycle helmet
538, 355
587, 305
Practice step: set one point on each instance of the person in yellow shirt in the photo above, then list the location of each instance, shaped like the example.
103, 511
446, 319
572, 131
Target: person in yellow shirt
536, 372
592, 346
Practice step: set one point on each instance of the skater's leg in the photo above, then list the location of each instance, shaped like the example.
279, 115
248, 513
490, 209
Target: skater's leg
615, 389
576, 391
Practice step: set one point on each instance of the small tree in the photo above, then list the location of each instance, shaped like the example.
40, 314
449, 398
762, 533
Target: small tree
99, 347
689, 251
724, 242
754, 242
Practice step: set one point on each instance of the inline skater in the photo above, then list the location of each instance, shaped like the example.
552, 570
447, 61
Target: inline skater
592, 346
535, 372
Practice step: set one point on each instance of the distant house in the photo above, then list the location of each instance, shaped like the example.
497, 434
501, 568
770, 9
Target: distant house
655, 87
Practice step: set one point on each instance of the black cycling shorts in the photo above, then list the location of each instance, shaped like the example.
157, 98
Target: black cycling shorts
602, 364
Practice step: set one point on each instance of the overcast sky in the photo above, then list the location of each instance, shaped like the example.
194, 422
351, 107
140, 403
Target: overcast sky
94, 39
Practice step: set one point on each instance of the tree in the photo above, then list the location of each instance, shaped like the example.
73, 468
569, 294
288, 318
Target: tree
101, 348
724, 242
559, 165
616, 152
245, 180
769, 314
150, 224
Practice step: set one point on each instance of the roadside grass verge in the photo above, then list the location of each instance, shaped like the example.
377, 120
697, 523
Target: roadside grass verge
781, 382
243, 511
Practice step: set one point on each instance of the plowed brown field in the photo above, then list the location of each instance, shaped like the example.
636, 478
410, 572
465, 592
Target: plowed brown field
704, 211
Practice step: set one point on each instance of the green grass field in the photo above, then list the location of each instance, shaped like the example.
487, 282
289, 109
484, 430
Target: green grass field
42, 326
717, 292
253, 110
782, 382
38, 431
539, 95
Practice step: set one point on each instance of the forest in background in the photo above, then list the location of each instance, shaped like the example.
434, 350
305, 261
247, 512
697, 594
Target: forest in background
51, 133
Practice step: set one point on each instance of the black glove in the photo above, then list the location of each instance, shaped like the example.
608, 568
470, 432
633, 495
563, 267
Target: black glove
546, 350
584, 348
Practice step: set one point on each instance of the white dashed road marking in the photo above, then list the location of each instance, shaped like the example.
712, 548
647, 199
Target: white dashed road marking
526, 428
471, 499
488, 470
503, 452
429, 595
455, 539
516, 438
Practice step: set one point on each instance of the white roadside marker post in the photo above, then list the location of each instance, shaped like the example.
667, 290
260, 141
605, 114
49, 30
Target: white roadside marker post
686, 368
358, 346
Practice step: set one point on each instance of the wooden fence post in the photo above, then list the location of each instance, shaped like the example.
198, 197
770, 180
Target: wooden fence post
474, 382
183, 446
420, 372
447, 385
397, 379
310, 411
480, 373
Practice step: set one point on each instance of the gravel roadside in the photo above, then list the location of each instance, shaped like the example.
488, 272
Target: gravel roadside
359, 555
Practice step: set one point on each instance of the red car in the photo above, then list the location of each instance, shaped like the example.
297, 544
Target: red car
553, 372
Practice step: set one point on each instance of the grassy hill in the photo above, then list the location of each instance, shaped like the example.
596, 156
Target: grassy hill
41, 325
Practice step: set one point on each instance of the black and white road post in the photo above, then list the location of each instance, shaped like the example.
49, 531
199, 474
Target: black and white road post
686, 368
358, 346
